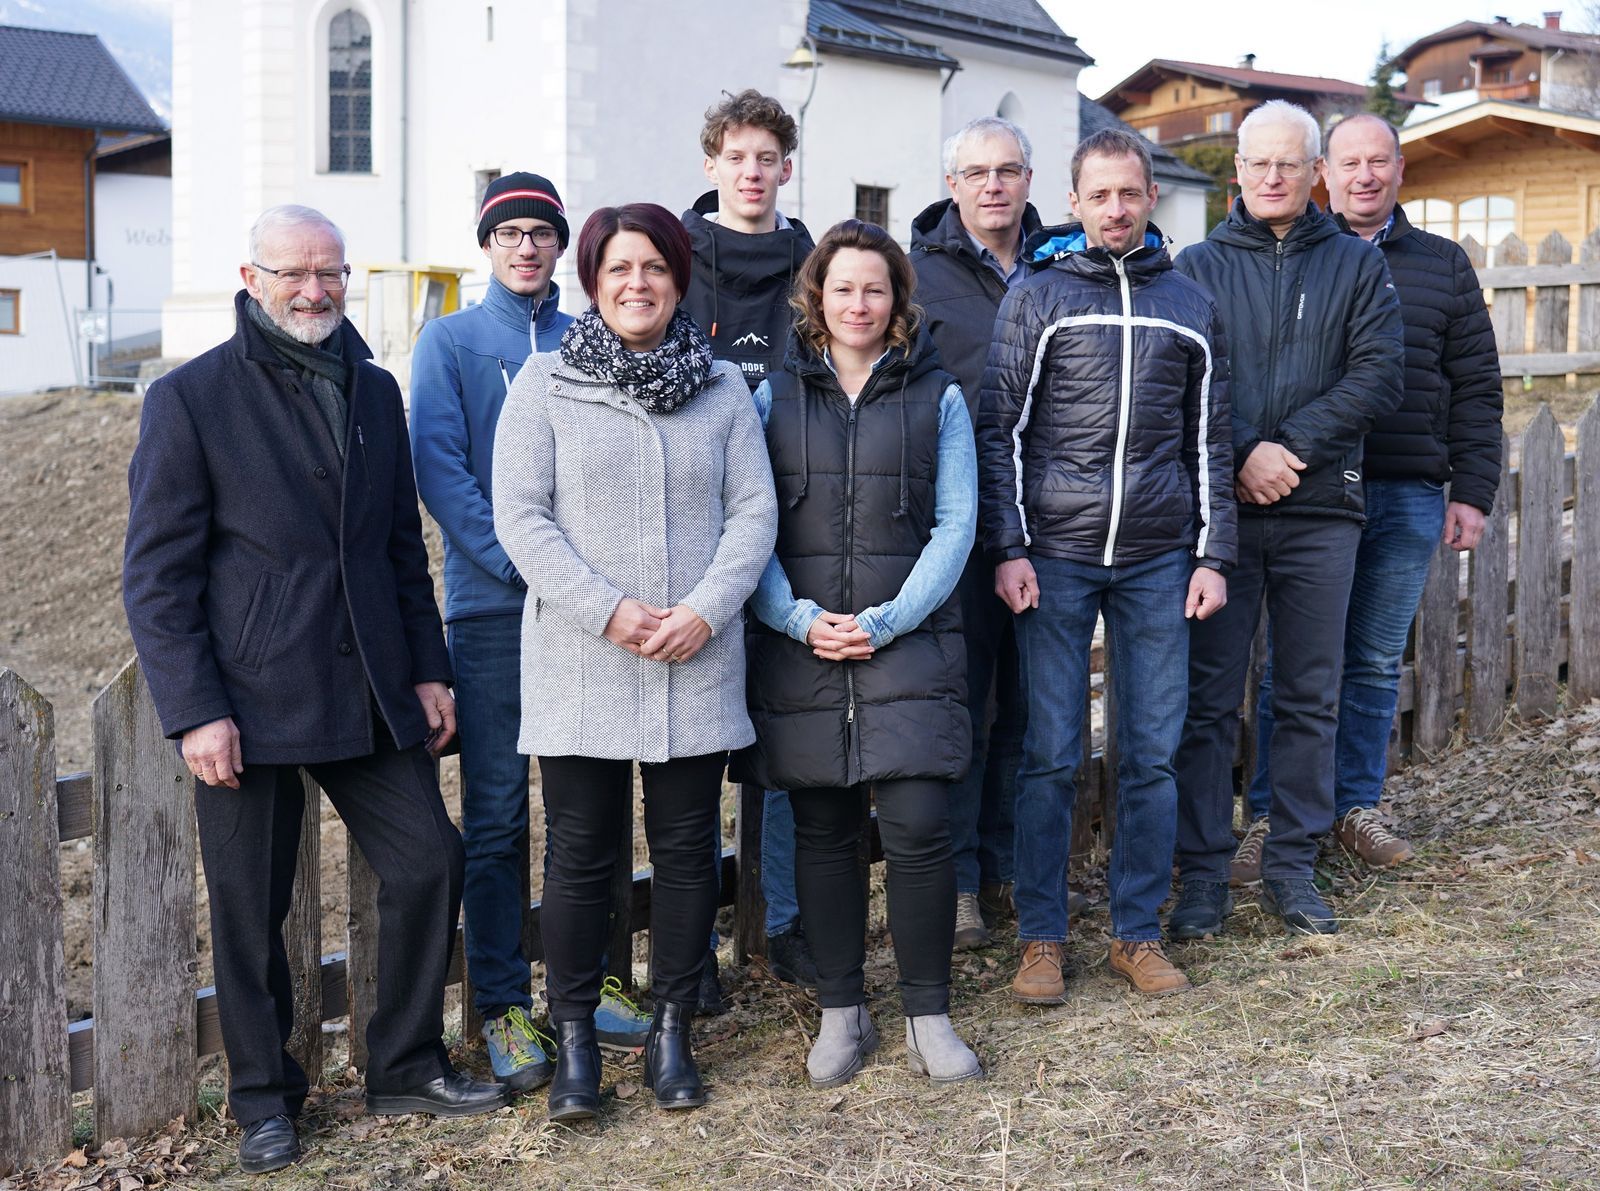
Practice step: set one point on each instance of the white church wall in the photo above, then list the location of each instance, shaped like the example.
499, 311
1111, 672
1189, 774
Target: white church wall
1181, 214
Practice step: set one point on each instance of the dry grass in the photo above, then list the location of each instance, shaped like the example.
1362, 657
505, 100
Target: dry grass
1449, 1036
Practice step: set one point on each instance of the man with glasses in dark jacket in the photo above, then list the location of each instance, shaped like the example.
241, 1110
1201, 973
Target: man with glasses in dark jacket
967, 252
1446, 431
1104, 490
1317, 358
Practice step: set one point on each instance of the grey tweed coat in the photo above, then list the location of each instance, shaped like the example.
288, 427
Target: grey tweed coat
596, 499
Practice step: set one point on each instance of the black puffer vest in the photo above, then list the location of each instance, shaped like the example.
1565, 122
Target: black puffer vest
855, 509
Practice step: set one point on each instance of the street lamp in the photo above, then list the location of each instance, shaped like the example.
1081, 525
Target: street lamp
803, 58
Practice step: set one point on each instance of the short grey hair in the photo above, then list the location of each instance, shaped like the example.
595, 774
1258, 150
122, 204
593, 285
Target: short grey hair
1281, 111
288, 215
981, 127
1372, 117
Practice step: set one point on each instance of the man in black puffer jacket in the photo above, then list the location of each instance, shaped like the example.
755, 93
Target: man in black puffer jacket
1317, 358
1105, 489
1447, 430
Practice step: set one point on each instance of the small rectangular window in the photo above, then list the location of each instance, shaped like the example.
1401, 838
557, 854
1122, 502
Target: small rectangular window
481, 181
1219, 122
10, 312
1431, 88
1151, 133
872, 205
10, 184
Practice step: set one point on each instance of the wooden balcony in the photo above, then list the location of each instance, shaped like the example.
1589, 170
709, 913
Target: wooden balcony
1512, 92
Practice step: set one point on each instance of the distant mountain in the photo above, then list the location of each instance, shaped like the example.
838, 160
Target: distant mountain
137, 32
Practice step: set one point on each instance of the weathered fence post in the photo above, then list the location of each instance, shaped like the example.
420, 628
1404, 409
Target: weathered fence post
1583, 650
1509, 312
1552, 304
1434, 675
302, 937
1111, 712
144, 916
1249, 719
1539, 566
1589, 303
750, 902
1487, 578
361, 948
35, 1077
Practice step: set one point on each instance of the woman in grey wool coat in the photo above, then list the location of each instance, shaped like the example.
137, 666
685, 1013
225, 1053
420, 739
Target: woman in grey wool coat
631, 489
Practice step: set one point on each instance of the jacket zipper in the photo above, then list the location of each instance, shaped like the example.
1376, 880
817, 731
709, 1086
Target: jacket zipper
1272, 355
850, 741
1124, 412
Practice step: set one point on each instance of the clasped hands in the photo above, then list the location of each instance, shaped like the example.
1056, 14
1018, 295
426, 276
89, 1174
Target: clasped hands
664, 635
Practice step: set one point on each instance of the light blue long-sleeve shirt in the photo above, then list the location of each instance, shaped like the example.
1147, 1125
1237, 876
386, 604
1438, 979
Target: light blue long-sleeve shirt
933, 577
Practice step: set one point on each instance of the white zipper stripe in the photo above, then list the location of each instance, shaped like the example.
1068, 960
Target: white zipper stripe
1124, 415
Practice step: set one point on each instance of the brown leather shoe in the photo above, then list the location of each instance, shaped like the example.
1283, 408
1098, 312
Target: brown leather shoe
1245, 867
1362, 833
1039, 980
1146, 967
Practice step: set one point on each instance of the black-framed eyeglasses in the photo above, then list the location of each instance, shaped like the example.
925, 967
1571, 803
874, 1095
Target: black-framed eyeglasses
508, 236
978, 175
332, 280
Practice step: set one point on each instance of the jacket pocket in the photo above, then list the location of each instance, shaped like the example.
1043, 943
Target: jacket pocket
260, 618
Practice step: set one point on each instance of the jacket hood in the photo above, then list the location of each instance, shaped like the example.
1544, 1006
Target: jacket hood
1243, 230
1067, 245
938, 228
743, 263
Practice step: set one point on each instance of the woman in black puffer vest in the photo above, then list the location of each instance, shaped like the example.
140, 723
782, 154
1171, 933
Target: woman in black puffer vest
857, 668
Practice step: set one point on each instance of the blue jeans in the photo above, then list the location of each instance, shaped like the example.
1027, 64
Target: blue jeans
486, 654
982, 804
777, 862
1405, 519
1149, 643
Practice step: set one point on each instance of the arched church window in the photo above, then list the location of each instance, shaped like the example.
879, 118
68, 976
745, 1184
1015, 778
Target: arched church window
349, 94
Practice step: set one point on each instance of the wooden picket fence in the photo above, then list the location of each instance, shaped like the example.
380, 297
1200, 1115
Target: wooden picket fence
1551, 277
1497, 631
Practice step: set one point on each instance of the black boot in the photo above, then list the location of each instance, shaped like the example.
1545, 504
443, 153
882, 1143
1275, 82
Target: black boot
669, 1068
575, 1090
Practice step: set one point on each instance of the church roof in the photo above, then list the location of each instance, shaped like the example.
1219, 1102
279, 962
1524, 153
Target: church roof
1014, 24
837, 29
68, 79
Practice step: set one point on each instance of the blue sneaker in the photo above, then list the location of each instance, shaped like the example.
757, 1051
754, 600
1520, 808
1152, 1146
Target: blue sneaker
619, 1024
518, 1052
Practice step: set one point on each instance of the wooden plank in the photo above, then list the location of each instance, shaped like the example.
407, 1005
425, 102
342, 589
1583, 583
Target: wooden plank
1086, 794
1521, 276
1509, 311
144, 916
1436, 662
1109, 749
75, 806
1249, 720
1558, 363
750, 912
1552, 299
361, 948
302, 937
35, 1073
1488, 605
1538, 606
1478, 258
1583, 654
1589, 296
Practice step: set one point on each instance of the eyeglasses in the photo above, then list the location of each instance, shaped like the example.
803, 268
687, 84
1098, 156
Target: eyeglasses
332, 280
511, 237
1260, 167
978, 175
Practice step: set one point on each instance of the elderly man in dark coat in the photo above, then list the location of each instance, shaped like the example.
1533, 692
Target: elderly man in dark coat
277, 589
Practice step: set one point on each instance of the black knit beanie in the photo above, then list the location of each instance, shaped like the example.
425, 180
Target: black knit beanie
521, 196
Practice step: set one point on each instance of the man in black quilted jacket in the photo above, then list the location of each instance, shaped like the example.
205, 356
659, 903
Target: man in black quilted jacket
1446, 431
1317, 358
1105, 490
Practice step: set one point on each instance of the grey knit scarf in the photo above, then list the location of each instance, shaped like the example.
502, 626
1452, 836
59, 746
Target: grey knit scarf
661, 380
321, 366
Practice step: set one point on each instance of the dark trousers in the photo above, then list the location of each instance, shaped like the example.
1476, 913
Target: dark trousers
1302, 566
914, 823
586, 801
389, 801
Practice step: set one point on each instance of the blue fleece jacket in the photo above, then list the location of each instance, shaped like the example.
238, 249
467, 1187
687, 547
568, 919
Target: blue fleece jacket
460, 371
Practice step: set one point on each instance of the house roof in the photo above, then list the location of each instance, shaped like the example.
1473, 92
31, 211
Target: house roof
1151, 73
1165, 165
1449, 134
841, 31
1531, 36
68, 79
1015, 24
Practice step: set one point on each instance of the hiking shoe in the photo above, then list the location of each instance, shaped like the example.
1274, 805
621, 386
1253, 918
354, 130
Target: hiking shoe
1200, 910
619, 1024
1039, 980
518, 1052
995, 902
1362, 833
1146, 966
971, 933
789, 957
1297, 902
709, 1002
1245, 867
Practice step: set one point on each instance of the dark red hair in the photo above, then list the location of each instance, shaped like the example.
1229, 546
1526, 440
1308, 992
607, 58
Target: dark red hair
651, 220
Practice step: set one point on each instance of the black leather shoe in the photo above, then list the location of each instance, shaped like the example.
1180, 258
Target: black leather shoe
709, 1003
789, 957
575, 1090
452, 1095
268, 1145
669, 1068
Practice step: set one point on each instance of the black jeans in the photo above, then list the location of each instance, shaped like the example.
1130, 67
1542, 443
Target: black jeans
914, 822
1303, 565
586, 800
389, 801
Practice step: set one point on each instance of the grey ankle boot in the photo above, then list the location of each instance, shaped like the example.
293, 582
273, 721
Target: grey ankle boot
933, 1049
846, 1038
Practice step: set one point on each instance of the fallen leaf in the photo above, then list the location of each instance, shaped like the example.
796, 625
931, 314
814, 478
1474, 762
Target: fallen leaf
129, 1183
627, 1090
77, 1159
1427, 1029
